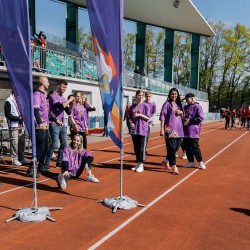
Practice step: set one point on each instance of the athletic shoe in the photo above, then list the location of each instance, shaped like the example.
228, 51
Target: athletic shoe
134, 168
176, 154
92, 178
189, 165
16, 163
25, 161
184, 157
175, 170
30, 173
202, 165
140, 168
61, 181
165, 164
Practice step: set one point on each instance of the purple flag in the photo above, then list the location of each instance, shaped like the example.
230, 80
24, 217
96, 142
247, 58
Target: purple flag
106, 18
15, 43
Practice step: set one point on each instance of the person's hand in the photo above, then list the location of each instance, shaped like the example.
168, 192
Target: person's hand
59, 123
132, 125
186, 122
178, 112
72, 98
66, 173
76, 128
43, 126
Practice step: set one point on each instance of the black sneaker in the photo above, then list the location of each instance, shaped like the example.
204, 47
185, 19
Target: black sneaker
42, 170
30, 173
58, 165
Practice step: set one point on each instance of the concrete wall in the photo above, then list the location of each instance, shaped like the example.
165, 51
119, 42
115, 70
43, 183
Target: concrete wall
89, 87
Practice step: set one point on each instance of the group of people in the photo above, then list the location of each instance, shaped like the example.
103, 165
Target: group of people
179, 124
243, 116
50, 123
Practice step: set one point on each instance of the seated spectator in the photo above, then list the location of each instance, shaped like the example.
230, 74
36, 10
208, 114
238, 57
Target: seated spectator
75, 160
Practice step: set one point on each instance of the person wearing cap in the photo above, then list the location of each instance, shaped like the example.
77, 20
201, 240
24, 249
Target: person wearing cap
192, 118
58, 129
172, 128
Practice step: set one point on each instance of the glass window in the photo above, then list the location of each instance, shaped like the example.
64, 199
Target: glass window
51, 19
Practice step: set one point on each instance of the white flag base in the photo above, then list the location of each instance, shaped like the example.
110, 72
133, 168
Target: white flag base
123, 202
34, 214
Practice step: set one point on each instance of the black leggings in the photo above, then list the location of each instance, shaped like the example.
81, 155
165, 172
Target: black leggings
172, 145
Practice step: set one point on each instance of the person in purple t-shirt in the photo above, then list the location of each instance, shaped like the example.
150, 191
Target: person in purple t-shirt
172, 128
57, 126
139, 115
192, 119
41, 112
75, 160
79, 117
152, 107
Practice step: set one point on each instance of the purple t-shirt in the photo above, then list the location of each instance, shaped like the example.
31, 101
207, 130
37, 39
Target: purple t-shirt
152, 107
80, 115
141, 125
172, 123
40, 102
195, 112
54, 99
74, 159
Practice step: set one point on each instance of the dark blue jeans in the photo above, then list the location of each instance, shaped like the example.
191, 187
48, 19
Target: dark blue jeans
57, 133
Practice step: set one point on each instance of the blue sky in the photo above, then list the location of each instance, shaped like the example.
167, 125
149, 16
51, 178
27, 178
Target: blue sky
228, 11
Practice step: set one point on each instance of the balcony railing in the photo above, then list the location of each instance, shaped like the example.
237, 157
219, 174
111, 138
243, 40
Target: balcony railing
61, 64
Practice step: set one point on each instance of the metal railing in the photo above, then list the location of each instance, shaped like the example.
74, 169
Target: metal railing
61, 64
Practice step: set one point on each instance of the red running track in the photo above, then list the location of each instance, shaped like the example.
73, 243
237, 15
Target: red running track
195, 210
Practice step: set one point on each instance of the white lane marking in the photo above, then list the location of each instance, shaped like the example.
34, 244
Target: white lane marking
117, 229
13, 189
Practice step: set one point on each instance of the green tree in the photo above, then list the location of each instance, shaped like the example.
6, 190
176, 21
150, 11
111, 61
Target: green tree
182, 49
129, 50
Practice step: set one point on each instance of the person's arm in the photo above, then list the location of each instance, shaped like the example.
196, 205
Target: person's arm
162, 128
7, 112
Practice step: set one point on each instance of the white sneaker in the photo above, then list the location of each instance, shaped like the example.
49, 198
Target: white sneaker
134, 168
184, 157
176, 154
92, 178
16, 163
189, 165
202, 165
62, 181
140, 168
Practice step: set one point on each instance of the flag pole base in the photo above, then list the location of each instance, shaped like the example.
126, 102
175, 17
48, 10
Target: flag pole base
34, 214
123, 202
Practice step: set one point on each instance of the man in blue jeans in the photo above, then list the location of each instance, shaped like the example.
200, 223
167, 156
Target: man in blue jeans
57, 127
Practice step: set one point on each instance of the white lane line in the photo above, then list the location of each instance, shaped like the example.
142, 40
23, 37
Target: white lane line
117, 229
13, 189
31, 184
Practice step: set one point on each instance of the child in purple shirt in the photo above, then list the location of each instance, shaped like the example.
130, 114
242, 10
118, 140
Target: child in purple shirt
75, 160
192, 119
172, 128
139, 115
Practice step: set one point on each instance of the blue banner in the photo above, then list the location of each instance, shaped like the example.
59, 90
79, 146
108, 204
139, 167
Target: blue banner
106, 18
15, 43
